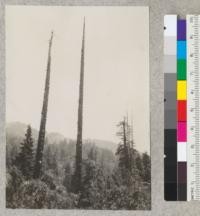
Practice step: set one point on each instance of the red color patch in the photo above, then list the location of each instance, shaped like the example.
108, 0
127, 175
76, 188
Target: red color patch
182, 110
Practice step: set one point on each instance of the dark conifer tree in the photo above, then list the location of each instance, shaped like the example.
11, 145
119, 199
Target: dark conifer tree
123, 148
41, 137
24, 161
127, 154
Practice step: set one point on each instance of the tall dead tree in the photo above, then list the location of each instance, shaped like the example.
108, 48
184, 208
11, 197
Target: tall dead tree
126, 142
132, 138
130, 142
123, 152
41, 136
78, 165
128, 132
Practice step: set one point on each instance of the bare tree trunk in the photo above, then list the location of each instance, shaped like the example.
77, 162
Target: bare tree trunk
78, 168
125, 143
41, 137
128, 132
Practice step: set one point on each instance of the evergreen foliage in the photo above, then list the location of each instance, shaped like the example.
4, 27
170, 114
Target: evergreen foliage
24, 161
107, 181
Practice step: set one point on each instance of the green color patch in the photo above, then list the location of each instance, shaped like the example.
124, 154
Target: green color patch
181, 69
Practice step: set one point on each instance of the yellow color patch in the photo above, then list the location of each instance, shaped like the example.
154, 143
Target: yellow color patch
181, 90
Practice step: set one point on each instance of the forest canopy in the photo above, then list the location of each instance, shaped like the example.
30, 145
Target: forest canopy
109, 180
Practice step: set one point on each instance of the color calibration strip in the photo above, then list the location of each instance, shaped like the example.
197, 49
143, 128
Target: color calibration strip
181, 111
170, 107
182, 108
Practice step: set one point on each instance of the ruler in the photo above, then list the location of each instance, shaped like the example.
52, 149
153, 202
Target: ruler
193, 88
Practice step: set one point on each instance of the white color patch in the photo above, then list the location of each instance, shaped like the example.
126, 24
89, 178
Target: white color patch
182, 151
170, 23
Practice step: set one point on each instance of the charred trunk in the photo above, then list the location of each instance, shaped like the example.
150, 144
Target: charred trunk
78, 165
41, 136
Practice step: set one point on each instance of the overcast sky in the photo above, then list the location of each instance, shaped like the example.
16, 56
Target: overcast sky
116, 68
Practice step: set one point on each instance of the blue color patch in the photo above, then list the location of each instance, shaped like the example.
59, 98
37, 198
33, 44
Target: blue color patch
181, 50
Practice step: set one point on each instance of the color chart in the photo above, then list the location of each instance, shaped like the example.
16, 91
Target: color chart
181, 108
181, 112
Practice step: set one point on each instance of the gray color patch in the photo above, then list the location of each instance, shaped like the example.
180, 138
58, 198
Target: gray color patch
170, 100
170, 119
170, 80
170, 64
170, 46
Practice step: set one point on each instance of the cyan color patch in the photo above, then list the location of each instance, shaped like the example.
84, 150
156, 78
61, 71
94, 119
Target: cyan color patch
181, 50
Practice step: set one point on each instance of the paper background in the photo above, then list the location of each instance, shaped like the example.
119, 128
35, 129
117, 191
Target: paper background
157, 10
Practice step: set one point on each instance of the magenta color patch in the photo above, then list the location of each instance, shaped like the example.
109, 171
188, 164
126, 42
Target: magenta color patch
182, 132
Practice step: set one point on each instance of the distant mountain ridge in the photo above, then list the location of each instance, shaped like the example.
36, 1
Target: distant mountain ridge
18, 129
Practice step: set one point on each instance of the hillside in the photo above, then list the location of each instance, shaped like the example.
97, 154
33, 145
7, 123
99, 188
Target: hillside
15, 132
107, 183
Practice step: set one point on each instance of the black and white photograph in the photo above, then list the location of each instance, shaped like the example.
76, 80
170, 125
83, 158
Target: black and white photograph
77, 108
